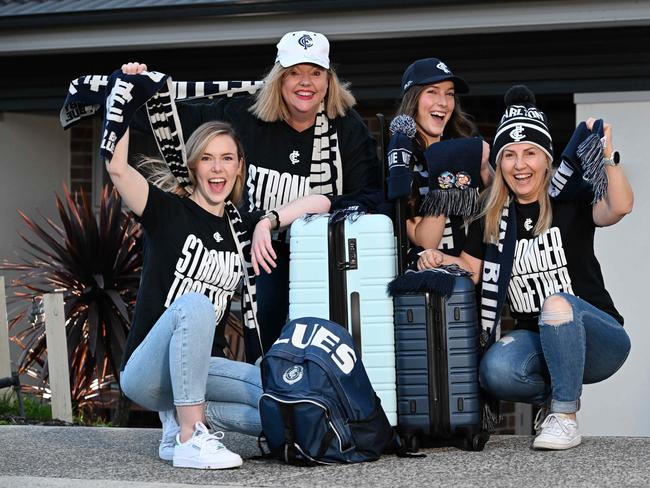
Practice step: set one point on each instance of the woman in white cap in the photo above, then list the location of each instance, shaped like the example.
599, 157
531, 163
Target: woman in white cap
300, 136
430, 97
534, 248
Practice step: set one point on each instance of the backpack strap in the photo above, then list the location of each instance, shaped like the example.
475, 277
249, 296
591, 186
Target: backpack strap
325, 443
290, 451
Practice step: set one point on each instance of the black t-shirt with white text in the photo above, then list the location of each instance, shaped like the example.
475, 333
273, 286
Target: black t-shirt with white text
560, 259
186, 249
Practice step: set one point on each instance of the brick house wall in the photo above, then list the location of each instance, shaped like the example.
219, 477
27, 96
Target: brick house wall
82, 148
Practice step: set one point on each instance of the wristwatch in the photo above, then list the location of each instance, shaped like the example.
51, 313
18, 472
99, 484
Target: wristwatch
613, 160
273, 216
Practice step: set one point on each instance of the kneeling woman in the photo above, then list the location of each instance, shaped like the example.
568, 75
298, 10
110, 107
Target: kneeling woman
173, 360
535, 243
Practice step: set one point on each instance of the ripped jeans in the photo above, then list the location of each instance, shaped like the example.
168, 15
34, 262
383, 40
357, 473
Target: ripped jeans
552, 365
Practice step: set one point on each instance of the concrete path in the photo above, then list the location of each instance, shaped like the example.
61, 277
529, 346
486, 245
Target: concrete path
75, 457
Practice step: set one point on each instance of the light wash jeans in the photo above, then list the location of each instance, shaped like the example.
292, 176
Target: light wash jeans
528, 367
172, 366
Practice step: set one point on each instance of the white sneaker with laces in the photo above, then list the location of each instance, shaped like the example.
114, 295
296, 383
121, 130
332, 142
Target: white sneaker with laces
204, 451
170, 429
558, 432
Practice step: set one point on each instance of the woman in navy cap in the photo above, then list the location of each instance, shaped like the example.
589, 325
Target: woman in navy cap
429, 96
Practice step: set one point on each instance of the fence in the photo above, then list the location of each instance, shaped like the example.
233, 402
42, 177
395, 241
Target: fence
57, 354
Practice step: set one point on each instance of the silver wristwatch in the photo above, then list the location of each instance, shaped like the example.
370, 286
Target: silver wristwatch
273, 216
613, 160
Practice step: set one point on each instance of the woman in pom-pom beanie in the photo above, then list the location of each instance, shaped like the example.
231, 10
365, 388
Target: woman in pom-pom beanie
429, 97
534, 244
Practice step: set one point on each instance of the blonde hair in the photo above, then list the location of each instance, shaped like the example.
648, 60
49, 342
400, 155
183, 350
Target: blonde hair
158, 173
497, 195
269, 105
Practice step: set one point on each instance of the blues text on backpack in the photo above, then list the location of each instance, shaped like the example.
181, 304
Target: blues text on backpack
318, 405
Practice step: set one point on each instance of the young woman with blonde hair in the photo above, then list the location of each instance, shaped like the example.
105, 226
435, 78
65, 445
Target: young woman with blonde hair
174, 361
533, 246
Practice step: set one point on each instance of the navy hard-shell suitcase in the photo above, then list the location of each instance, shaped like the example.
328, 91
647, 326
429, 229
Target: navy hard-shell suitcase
437, 350
437, 357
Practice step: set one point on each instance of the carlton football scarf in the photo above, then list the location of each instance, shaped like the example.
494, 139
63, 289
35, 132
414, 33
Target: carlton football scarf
121, 95
252, 337
582, 164
326, 173
454, 168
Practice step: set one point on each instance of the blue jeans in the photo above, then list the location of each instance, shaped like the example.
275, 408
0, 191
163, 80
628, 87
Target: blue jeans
172, 366
552, 365
273, 297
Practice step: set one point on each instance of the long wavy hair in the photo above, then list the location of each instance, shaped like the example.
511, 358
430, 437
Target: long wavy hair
499, 194
460, 124
269, 105
159, 174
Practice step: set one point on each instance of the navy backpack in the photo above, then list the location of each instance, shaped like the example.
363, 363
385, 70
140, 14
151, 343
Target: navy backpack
318, 406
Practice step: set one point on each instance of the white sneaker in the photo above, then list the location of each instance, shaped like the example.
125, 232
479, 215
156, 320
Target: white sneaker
204, 451
170, 429
558, 432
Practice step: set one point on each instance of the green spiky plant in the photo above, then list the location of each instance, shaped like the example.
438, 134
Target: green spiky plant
95, 261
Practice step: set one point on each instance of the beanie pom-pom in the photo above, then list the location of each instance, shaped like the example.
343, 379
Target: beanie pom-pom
519, 95
403, 124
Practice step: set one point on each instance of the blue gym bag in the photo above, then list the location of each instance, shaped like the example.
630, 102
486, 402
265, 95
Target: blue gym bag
318, 406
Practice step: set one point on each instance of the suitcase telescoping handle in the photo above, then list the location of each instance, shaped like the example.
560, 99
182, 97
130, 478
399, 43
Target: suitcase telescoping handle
399, 208
355, 314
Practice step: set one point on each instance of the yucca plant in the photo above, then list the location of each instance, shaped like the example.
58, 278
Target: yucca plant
95, 261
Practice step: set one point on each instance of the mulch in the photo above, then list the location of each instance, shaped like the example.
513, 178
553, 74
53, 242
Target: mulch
18, 420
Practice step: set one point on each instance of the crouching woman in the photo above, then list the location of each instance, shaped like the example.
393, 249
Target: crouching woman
534, 244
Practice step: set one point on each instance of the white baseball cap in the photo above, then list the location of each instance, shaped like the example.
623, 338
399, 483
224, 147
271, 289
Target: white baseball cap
303, 47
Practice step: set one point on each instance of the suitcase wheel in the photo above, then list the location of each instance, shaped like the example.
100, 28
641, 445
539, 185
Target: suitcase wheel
477, 441
413, 443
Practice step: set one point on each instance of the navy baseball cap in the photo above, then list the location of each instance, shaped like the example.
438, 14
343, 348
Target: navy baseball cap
429, 71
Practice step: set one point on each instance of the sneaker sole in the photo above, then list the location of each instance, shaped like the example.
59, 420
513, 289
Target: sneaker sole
165, 456
193, 463
553, 446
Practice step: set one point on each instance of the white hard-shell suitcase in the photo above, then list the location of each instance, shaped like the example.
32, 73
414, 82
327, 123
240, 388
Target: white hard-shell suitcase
340, 272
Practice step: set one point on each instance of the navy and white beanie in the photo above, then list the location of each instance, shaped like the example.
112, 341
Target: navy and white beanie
522, 122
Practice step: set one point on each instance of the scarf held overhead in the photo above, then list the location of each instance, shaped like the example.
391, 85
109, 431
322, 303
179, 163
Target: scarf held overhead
120, 96
123, 94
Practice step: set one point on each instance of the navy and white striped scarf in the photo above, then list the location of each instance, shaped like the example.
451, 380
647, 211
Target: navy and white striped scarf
127, 93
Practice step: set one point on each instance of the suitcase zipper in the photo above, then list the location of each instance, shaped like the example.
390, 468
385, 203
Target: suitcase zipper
438, 385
